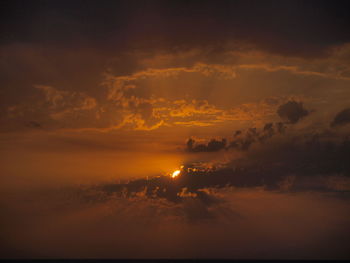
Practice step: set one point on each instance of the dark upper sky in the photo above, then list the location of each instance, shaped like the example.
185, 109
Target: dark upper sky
286, 27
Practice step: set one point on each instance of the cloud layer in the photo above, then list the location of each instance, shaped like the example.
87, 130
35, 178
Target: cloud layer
342, 118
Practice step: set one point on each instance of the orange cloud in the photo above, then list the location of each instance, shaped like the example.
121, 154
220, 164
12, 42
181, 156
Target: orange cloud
134, 101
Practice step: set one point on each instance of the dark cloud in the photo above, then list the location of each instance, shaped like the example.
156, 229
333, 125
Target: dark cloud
212, 146
292, 111
268, 132
297, 164
242, 140
303, 28
237, 133
342, 118
281, 128
33, 124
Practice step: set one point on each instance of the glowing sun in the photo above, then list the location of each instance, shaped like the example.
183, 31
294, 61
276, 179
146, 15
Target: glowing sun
175, 173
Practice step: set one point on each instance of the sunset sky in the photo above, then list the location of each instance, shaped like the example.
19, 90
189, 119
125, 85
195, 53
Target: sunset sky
101, 101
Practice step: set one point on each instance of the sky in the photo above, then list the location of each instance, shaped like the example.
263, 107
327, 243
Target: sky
101, 101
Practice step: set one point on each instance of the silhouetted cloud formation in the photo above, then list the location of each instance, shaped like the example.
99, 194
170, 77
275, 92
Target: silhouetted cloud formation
296, 164
241, 140
212, 146
341, 118
292, 111
33, 124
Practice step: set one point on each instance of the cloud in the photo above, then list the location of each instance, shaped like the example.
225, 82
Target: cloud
294, 69
79, 222
67, 100
132, 99
308, 162
63, 105
242, 140
292, 111
115, 83
212, 146
34, 124
128, 98
342, 118
128, 110
176, 27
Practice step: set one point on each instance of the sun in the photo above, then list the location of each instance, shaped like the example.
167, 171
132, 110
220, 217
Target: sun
175, 173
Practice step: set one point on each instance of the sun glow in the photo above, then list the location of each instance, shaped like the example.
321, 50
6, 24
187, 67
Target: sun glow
175, 173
